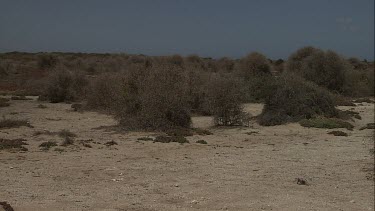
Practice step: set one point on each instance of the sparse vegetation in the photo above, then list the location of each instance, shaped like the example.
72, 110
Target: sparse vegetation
67, 141
328, 123
42, 106
338, 133
47, 145
368, 126
13, 144
111, 143
21, 97
169, 139
201, 142
66, 133
13, 123
145, 139
4, 102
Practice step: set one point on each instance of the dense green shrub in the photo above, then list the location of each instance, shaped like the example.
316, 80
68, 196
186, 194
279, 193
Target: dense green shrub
294, 99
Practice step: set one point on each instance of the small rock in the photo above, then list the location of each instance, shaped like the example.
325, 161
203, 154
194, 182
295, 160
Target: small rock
301, 181
176, 185
194, 202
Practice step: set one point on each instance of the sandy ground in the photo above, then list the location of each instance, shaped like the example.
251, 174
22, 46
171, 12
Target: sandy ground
234, 171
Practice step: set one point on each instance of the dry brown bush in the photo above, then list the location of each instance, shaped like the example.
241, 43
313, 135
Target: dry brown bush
224, 100
64, 85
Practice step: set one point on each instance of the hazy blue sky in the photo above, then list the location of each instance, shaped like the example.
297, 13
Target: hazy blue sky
211, 28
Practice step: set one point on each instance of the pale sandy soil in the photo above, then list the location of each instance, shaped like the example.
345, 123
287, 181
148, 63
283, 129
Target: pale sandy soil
235, 171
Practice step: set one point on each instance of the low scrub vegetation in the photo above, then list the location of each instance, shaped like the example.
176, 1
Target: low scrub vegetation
338, 133
66, 133
64, 86
47, 145
13, 144
4, 102
328, 123
169, 139
13, 123
161, 93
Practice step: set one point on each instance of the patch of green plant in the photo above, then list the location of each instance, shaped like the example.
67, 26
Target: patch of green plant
329, 123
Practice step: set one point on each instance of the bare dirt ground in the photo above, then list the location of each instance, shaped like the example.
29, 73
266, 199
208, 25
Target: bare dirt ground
249, 168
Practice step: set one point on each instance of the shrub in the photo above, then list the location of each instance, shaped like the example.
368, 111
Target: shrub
224, 98
104, 93
64, 86
176, 60
47, 61
329, 123
359, 83
323, 68
255, 64
258, 88
294, 99
256, 71
158, 102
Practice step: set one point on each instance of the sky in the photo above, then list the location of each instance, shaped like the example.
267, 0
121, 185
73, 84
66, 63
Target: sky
208, 28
